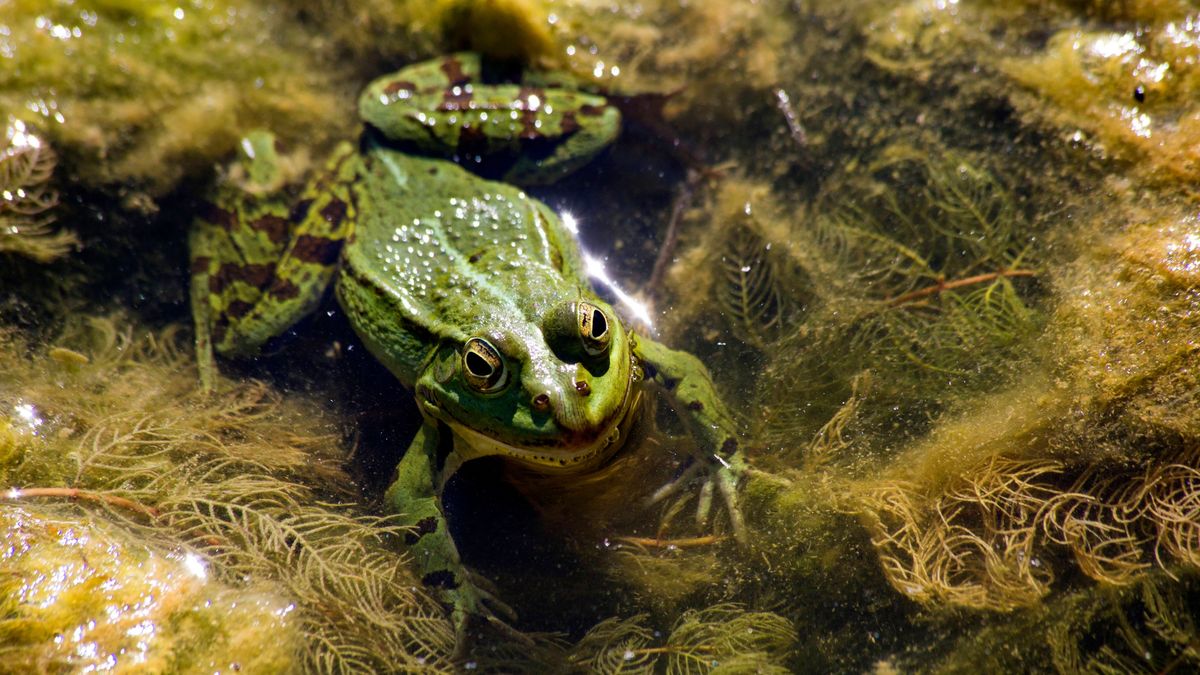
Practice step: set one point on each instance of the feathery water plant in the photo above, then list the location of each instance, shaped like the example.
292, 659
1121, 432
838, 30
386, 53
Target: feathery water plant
26, 198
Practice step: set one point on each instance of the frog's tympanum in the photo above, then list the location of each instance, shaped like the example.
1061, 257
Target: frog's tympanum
471, 292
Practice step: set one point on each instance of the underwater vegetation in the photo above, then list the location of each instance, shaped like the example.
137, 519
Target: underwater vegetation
901, 275
246, 480
1097, 461
942, 256
994, 374
26, 199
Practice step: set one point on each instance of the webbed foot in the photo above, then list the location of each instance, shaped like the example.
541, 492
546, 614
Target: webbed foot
714, 475
476, 599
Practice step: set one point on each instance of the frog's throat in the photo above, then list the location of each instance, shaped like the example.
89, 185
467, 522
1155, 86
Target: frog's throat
558, 460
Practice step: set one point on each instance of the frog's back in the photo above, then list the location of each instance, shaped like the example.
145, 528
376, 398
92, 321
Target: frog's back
439, 253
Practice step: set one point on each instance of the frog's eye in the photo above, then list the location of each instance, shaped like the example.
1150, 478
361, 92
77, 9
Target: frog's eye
593, 328
483, 369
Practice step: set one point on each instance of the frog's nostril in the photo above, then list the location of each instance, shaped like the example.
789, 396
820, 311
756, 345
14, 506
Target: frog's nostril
541, 402
583, 388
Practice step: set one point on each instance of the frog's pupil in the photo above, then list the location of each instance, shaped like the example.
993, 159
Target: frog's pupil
478, 365
599, 324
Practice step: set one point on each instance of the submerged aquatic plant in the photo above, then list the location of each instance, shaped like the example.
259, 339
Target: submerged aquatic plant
721, 638
1097, 461
26, 198
912, 271
247, 478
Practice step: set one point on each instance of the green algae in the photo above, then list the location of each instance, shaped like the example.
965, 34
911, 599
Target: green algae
81, 595
140, 94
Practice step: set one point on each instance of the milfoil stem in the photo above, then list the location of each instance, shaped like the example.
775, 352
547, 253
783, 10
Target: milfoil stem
86, 495
957, 283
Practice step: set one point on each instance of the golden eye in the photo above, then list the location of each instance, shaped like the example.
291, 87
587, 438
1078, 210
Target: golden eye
593, 328
483, 369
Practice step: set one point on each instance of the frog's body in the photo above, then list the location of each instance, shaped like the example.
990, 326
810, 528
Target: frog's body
472, 293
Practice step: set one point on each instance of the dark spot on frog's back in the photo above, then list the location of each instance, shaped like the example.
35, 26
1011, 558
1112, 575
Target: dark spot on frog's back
239, 308
529, 128
300, 210
319, 250
568, 124
440, 579
454, 72
200, 264
592, 110
454, 99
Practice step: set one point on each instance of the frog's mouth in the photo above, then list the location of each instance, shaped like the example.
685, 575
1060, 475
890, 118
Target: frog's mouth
558, 458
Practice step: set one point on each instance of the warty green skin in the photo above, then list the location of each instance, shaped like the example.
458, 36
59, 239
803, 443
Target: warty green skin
429, 261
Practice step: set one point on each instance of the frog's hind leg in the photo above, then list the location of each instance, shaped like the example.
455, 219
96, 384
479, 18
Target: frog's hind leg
531, 132
259, 264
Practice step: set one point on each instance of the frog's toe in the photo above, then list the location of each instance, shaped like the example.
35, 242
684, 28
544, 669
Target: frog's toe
726, 481
721, 477
492, 605
691, 469
474, 603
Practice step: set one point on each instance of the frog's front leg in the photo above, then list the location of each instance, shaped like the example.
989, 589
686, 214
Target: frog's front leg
259, 261
687, 384
416, 496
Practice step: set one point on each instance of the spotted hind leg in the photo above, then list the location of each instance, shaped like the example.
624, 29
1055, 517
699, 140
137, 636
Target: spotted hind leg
259, 261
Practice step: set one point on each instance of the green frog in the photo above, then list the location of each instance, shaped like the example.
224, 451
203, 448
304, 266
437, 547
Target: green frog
471, 292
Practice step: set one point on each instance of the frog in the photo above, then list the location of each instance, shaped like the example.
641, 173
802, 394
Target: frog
471, 292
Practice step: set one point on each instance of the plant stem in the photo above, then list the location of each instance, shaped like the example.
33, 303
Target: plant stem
690, 542
957, 283
666, 252
86, 495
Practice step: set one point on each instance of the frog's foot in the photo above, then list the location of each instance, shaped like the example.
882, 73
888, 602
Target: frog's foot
474, 600
716, 475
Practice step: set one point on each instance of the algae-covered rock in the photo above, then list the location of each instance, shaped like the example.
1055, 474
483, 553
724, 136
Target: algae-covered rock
137, 94
1130, 93
77, 595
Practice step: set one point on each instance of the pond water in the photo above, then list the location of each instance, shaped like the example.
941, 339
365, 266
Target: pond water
940, 257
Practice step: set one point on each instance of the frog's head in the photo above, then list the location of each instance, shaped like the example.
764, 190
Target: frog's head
554, 394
